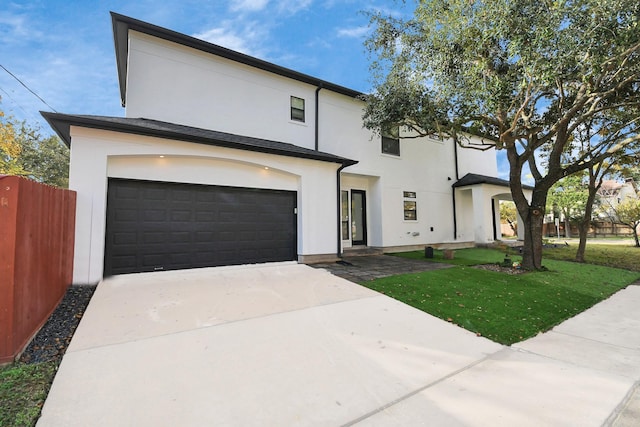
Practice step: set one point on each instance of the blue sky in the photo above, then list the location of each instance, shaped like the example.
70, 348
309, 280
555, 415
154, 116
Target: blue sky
63, 49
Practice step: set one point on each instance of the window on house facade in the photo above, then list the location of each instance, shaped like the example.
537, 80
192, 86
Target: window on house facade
410, 206
297, 109
391, 140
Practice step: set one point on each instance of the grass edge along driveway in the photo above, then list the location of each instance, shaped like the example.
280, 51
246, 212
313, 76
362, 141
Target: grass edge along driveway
502, 307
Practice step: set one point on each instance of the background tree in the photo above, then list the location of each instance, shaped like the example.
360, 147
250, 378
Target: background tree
628, 213
595, 176
10, 148
523, 74
509, 214
24, 152
620, 164
569, 197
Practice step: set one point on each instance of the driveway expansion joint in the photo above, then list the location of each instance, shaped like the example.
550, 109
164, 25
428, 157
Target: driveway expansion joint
420, 390
623, 408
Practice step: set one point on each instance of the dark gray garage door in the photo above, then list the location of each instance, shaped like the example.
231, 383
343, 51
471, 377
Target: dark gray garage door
155, 226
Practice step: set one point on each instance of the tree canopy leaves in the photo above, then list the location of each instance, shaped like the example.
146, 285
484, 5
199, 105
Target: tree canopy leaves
24, 152
554, 83
628, 213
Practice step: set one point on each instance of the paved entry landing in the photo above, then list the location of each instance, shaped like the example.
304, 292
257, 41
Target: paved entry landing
364, 268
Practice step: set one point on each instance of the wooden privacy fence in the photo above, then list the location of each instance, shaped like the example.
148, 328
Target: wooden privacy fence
596, 229
36, 257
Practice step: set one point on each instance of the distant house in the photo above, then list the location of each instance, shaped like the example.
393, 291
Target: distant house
611, 193
225, 159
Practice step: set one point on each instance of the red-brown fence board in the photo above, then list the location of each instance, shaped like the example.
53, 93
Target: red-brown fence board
37, 225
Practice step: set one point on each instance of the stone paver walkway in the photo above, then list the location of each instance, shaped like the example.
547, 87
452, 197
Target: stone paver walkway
364, 268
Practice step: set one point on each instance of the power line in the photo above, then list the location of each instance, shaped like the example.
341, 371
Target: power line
27, 87
14, 101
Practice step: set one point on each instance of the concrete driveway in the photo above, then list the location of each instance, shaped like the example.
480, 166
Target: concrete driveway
289, 345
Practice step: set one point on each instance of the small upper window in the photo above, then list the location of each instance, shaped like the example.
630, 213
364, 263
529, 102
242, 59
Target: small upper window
297, 109
391, 140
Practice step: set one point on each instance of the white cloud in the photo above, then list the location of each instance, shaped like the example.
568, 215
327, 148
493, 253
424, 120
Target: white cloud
241, 36
223, 37
15, 29
291, 7
248, 5
355, 32
284, 7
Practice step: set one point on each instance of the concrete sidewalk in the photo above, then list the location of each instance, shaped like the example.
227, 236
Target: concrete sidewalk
286, 344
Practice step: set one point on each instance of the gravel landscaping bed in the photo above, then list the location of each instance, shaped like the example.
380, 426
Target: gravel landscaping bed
51, 342
500, 269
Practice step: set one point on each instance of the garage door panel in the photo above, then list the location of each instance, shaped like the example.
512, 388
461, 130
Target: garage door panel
125, 238
178, 215
227, 236
203, 236
127, 193
180, 237
162, 226
181, 195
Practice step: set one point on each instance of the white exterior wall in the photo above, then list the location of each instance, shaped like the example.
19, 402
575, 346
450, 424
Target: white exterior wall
425, 166
177, 84
475, 208
471, 160
97, 155
465, 215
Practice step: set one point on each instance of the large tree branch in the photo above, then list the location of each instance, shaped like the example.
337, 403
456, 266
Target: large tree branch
601, 156
579, 103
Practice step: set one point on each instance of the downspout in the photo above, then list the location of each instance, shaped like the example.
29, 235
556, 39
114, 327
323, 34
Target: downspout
317, 139
453, 191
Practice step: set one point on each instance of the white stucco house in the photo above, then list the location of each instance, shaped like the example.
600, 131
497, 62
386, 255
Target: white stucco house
222, 158
611, 193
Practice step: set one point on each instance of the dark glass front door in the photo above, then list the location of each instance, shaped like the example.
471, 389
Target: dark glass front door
358, 217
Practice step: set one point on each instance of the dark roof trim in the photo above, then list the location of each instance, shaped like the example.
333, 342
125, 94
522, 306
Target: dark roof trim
474, 179
122, 24
62, 123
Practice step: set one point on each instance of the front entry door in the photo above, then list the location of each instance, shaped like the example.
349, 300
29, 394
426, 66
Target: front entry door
358, 217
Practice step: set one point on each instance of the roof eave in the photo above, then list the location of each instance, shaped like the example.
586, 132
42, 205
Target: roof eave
478, 179
62, 123
122, 24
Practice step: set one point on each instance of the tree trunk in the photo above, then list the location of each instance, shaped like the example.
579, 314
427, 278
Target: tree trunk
532, 213
634, 229
583, 230
583, 225
532, 250
567, 228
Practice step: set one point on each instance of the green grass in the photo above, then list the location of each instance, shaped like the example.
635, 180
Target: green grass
502, 307
471, 256
23, 389
620, 256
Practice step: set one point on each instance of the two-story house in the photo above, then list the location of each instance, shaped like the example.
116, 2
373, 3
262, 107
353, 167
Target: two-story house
225, 159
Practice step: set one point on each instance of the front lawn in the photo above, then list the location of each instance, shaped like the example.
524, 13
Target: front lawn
503, 307
621, 256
